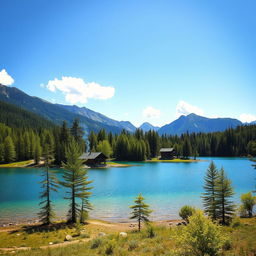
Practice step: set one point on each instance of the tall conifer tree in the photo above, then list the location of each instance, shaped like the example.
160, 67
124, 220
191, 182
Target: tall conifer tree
224, 203
76, 181
210, 186
49, 184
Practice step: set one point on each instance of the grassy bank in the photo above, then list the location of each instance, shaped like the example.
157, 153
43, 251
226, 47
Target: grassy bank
87, 241
178, 160
18, 164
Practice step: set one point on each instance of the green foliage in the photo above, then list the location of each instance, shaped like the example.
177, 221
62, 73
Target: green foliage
9, 150
201, 236
104, 147
186, 149
96, 243
49, 184
251, 148
209, 196
248, 202
76, 181
140, 211
186, 211
150, 231
132, 245
224, 203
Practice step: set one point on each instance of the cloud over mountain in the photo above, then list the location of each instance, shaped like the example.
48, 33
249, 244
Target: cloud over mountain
184, 108
5, 78
76, 90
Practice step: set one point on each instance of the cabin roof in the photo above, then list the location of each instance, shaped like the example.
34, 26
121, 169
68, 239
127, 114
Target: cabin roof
166, 150
92, 155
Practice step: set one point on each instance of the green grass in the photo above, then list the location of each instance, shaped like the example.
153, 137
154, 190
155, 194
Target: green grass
18, 164
242, 237
176, 160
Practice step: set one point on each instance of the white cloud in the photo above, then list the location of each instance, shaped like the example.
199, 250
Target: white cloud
76, 90
184, 108
5, 78
151, 112
247, 118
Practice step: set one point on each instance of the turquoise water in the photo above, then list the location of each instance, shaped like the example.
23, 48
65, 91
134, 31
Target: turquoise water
166, 187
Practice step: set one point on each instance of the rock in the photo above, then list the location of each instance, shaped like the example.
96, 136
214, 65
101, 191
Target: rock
68, 238
102, 234
123, 234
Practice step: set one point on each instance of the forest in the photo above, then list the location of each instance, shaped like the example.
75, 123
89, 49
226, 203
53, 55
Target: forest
26, 141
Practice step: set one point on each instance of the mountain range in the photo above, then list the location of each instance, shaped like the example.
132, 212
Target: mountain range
94, 121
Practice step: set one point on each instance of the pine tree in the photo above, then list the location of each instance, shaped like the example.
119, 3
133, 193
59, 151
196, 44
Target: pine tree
49, 184
140, 211
78, 133
224, 193
9, 150
38, 150
186, 149
76, 181
209, 196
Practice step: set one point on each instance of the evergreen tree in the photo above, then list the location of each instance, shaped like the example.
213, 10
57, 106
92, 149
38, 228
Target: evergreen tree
1, 152
186, 149
140, 211
9, 150
49, 184
224, 193
78, 133
38, 150
93, 141
76, 181
209, 196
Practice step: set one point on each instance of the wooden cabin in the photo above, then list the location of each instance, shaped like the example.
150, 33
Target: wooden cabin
93, 158
167, 153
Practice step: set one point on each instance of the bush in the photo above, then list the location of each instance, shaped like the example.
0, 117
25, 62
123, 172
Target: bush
248, 202
150, 232
133, 244
109, 248
201, 236
186, 211
235, 222
97, 242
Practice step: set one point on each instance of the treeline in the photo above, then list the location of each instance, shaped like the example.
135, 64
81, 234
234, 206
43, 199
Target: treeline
145, 145
25, 143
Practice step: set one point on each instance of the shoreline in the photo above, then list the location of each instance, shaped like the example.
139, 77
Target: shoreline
35, 222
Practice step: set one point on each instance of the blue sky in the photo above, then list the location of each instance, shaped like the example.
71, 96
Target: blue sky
134, 60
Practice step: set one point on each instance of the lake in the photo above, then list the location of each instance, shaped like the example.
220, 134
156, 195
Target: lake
166, 187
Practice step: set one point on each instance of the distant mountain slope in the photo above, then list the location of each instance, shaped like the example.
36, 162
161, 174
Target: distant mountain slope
14, 116
51, 111
194, 123
147, 126
98, 117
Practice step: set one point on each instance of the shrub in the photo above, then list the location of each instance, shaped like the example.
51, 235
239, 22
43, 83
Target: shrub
133, 244
150, 232
248, 201
201, 236
186, 211
109, 248
97, 242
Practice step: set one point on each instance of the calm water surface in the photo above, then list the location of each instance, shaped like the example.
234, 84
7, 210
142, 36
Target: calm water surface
166, 187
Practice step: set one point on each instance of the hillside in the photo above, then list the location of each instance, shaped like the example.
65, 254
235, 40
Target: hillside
14, 116
52, 112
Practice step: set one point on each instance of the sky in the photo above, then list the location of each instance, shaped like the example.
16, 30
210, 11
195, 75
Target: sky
137, 60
